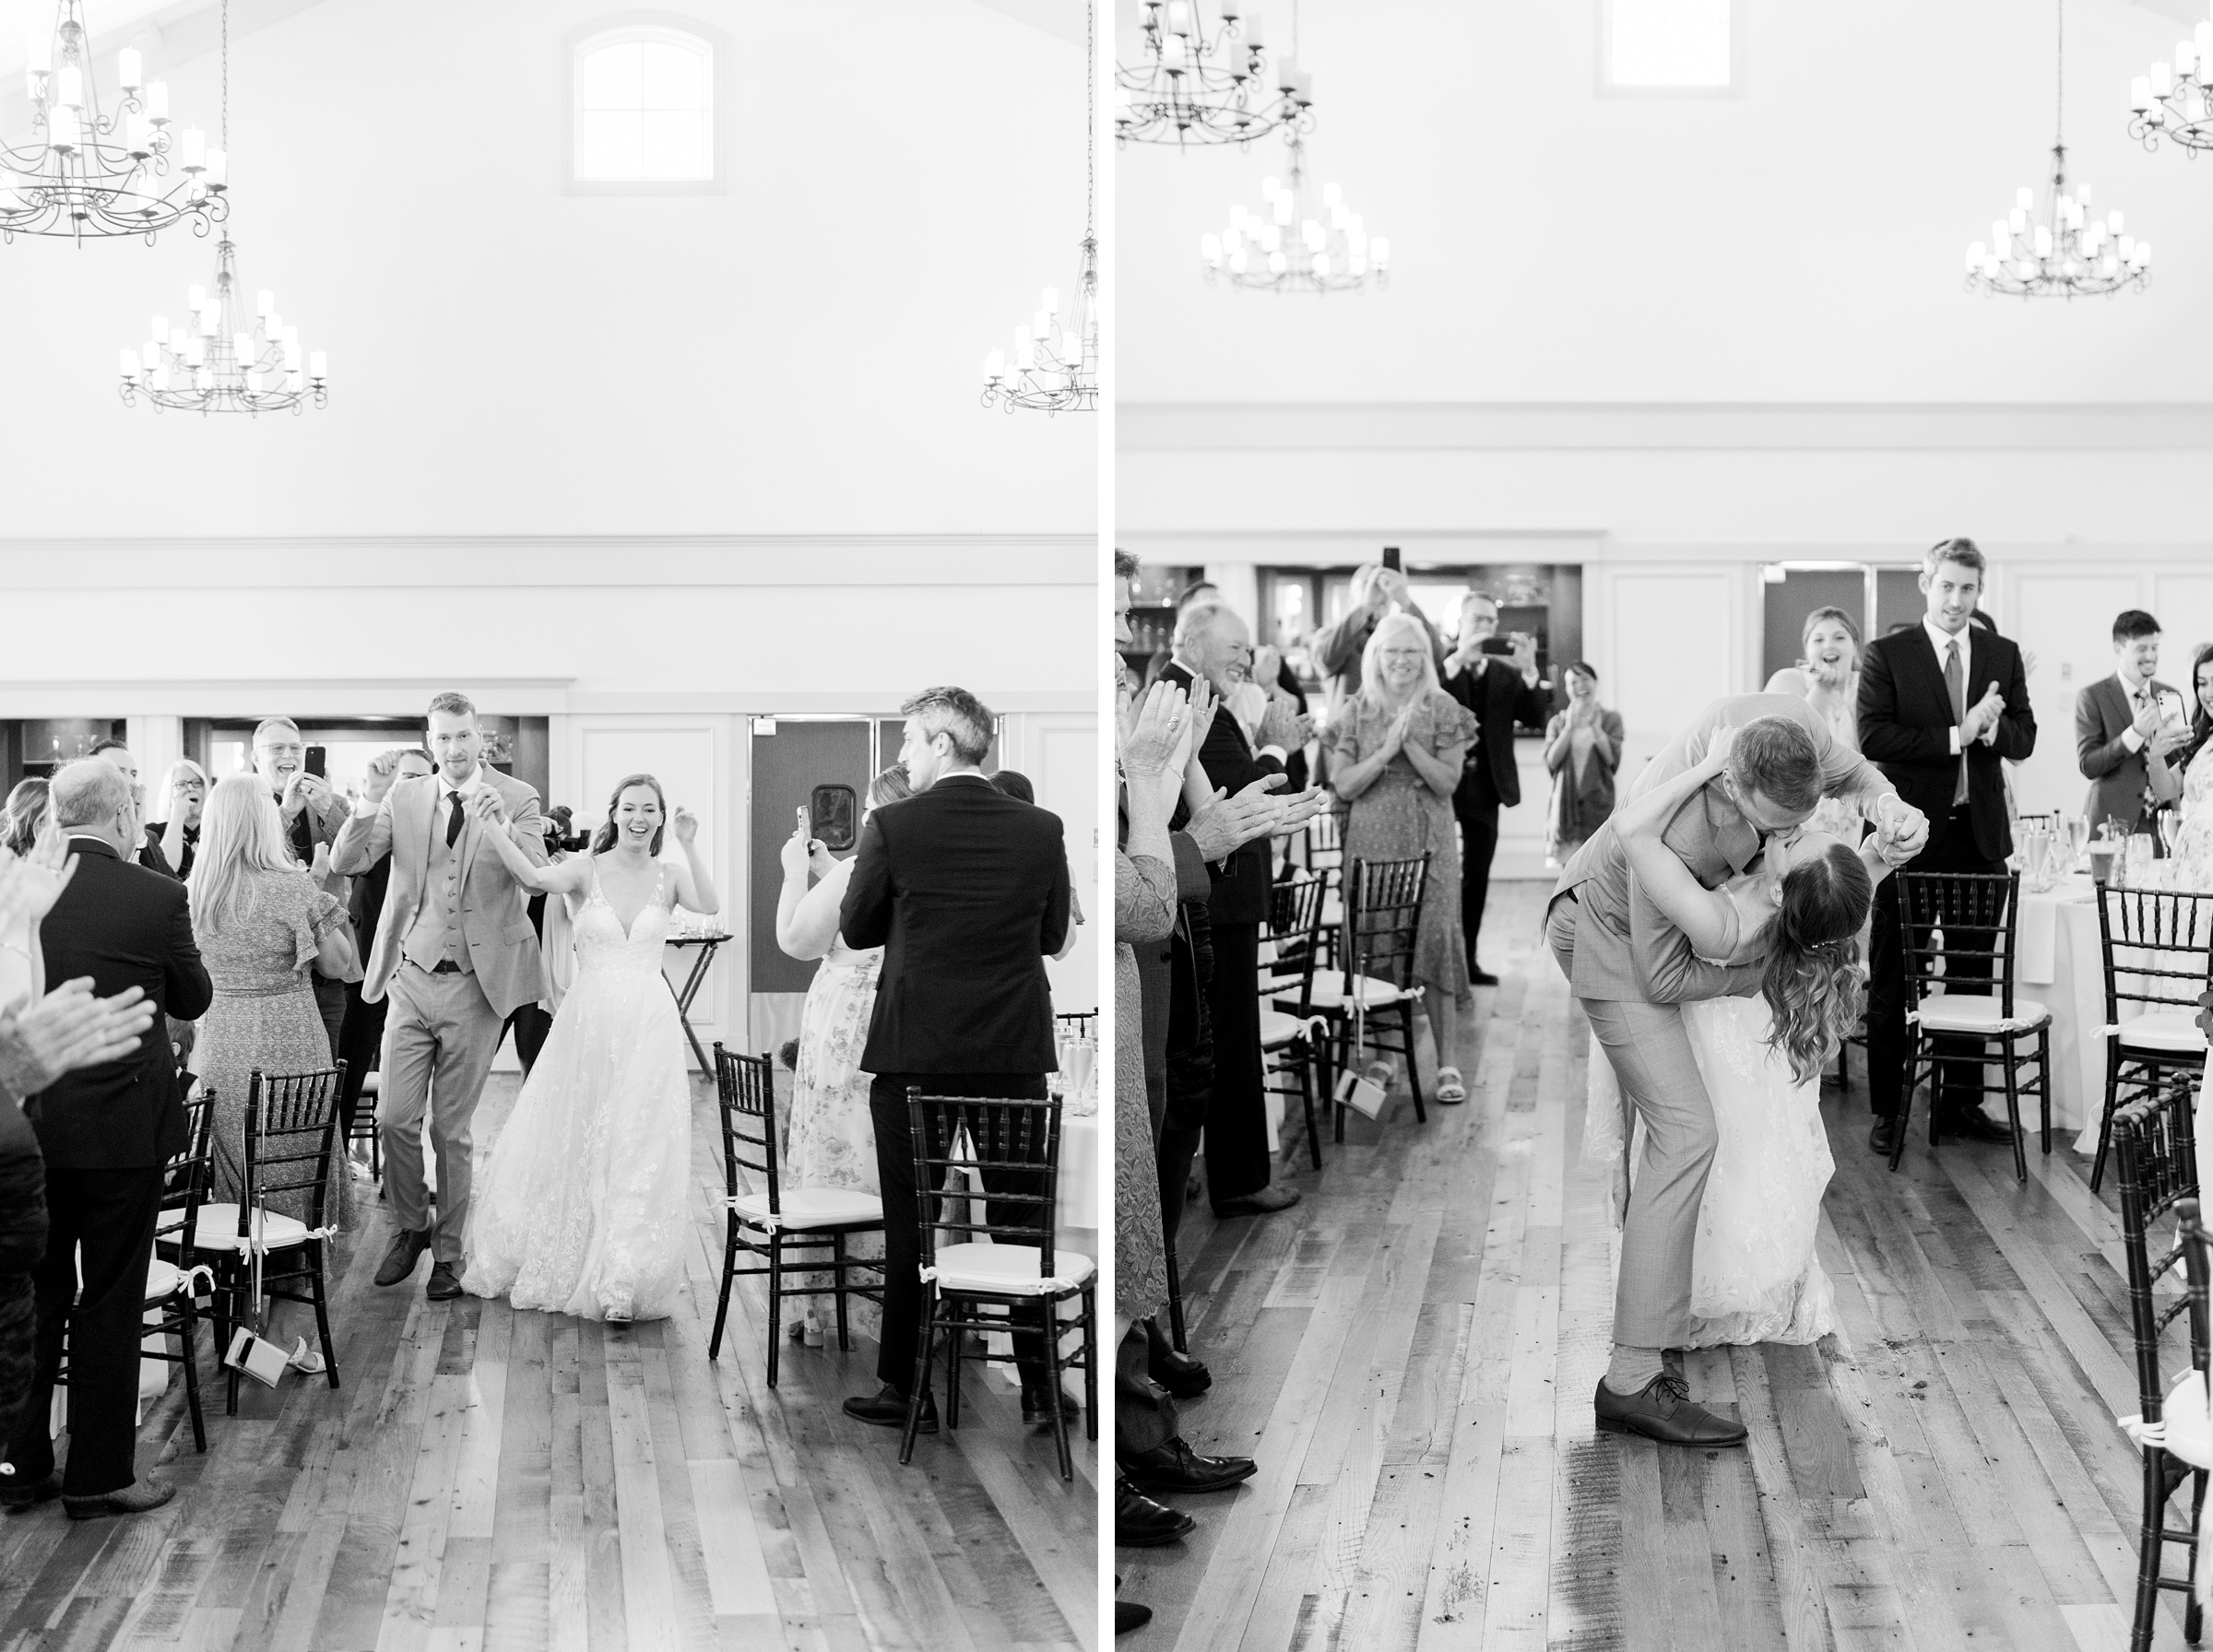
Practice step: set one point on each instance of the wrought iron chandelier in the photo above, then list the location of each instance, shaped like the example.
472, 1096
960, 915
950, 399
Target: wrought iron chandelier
1199, 85
2063, 252
1281, 248
221, 361
2175, 100
1054, 365
83, 173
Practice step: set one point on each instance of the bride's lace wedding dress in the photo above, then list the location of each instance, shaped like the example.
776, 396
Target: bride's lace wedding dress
584, 1203
1754, 1274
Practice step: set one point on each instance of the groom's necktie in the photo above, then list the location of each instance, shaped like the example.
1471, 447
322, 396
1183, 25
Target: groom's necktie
1954, 683
452, 820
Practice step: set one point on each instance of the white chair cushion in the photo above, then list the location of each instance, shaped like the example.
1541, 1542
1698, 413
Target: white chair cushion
809, 1207
1278, 1029
1978, 1012
1329, 993
1008, 1269
161, 1279
217, 1229
2173, 1030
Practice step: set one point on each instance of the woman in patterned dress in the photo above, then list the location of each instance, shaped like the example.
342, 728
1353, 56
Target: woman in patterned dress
830, 1141
1395, 752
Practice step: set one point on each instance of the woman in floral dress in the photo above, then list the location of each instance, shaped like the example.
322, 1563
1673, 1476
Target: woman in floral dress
1395, 752
830, 1141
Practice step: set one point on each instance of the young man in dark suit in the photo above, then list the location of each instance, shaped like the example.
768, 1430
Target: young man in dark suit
1942, 704
2122, 737
106, 1132
1501, 691
966, 890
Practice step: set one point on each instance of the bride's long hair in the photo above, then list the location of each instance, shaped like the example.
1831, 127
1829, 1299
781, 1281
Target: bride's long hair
604, 839
1815, 984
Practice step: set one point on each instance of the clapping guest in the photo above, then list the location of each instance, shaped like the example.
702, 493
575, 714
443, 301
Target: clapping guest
26, 811
830, 1141
312, 814
362, 1033
1582, 749
1396, 752
106, 1131
2124, 738
261, 923
173, 840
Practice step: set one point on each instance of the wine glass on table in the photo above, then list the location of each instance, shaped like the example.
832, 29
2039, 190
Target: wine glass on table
2079, 834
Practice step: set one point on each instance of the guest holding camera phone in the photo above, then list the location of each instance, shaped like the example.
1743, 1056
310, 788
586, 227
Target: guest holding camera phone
1495, 678
1583, 750
311, 812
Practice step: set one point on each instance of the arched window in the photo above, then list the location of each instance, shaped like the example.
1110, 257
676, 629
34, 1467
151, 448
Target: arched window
642, 108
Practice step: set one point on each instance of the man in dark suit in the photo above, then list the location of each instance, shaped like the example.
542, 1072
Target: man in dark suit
1501, 691
106, 1132
1212, 642
1942, 704
966, 890
2123, 733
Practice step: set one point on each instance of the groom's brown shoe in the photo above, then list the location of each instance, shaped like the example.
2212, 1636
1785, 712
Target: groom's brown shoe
399, 1261
1663, 1411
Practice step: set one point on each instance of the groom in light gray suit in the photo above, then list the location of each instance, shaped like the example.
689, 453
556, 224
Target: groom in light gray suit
1632, 969
456, 954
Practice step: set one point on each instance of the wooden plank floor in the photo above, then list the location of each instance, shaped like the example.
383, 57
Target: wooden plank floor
491, 1480
1410, 1354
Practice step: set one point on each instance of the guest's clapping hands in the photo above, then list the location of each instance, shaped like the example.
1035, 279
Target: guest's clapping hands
67, 1029
1158, 745
1394, 737
30, 884
1981, 722
1205, 703
1226, 823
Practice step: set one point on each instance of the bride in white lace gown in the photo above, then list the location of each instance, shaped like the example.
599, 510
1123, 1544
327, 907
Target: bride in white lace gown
584, 1204
1754, 1276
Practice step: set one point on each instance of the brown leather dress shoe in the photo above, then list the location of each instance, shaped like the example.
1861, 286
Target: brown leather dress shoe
131, 1500
1663, 1411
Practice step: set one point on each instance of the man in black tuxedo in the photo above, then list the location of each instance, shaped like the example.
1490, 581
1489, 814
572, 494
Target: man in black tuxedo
1942, 703
1212, 642
106, 1131
966, 890
1501, 691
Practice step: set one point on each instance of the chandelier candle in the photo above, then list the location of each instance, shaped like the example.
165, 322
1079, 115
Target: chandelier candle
1282, 249
1206, 84
2175, 100
85, 173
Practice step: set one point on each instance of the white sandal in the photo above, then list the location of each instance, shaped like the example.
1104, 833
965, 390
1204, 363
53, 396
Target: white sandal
1451, 1090
308, 1362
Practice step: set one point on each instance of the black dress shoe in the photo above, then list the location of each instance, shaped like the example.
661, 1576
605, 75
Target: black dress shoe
1883, 1137
1481, 977
399, 1261
1178, 1372
1128, 1615
1663, 1411
1140, 1523
887, 1408
1972, 1124
18, 1494
444, 1284
131, 1500
1174, 1467
1037, 1405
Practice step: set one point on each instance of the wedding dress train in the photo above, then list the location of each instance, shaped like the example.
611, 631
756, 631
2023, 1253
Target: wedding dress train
584, 1204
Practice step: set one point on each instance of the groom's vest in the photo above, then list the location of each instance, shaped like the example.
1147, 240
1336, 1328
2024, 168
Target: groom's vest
435, 939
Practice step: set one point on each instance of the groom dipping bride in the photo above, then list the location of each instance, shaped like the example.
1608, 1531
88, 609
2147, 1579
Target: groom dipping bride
1705, 889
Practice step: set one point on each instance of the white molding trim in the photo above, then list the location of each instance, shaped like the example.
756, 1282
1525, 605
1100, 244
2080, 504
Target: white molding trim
406, 696
1729, 426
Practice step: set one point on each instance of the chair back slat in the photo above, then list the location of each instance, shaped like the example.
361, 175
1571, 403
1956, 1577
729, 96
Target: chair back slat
1295, 926
1018, 1141
291, 1120
1382, 919
745, 1095
2155, 1147
2166, 935
1943, 917
187, 1179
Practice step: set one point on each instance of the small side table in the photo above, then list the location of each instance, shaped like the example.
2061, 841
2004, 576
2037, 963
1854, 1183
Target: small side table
690, 990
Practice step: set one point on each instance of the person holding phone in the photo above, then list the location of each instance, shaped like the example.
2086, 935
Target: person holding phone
832, 1140
1494, 678
312, 814
2127, 727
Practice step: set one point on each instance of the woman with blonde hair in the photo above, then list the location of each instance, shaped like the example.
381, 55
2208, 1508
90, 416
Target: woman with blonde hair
261, 923
173, 839
1827, 678
1396, 749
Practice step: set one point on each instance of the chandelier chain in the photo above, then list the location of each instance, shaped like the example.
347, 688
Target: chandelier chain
226, 75
1090, 115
